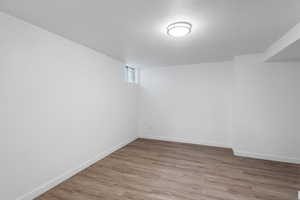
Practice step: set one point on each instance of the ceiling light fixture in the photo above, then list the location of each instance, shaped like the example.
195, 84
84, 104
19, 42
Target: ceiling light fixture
179, 29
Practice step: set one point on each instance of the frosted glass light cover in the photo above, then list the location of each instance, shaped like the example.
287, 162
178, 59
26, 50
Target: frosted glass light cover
179, 29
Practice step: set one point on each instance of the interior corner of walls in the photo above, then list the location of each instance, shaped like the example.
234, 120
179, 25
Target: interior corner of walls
140, 133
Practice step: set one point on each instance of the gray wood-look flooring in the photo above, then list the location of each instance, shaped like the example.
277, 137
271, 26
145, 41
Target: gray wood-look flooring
158, 170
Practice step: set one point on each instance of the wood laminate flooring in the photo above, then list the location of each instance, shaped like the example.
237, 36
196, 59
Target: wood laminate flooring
158, 170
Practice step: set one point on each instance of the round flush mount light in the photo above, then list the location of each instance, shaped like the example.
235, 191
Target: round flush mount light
179, 29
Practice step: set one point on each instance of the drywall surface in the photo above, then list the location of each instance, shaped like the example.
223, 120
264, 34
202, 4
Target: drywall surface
266, 112
187, 103
61, 105
247, 104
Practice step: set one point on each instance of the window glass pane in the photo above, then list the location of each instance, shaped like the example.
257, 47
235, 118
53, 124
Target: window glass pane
130, 74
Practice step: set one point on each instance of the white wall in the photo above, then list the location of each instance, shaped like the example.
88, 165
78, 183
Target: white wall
248, 105
266, 109
187, 103
61, 105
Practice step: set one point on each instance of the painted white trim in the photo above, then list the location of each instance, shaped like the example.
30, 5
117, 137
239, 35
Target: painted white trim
235, 152
265, 157
57, 180
184, 140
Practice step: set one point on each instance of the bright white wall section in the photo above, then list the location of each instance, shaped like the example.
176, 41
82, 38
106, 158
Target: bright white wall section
187, 103
62, 105
247, 104
266, 109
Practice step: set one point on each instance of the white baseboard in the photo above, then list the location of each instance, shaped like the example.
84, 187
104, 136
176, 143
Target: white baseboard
57, 180
266, 157
235, 152
189, 141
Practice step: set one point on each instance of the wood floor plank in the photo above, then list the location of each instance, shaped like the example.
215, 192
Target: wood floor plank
158, 170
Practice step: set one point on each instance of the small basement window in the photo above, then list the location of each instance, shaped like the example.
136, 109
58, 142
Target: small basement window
130, 74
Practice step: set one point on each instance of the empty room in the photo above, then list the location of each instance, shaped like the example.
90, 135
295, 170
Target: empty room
149, 99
